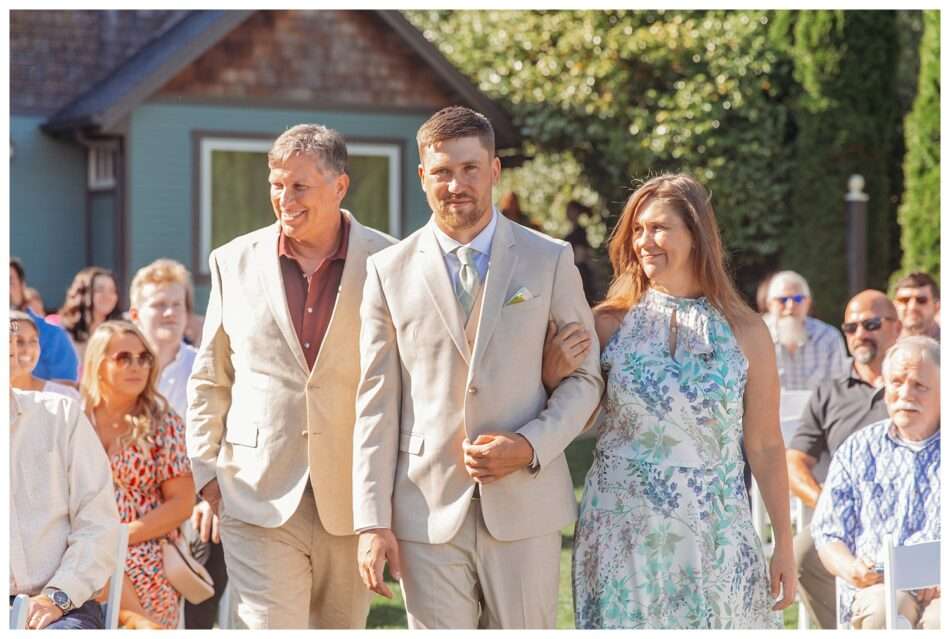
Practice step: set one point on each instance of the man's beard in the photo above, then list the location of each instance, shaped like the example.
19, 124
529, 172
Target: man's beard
460, 220
865, 352
790, 331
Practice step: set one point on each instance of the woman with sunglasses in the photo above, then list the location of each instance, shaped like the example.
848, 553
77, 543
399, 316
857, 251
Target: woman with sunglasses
145, 442
664, 537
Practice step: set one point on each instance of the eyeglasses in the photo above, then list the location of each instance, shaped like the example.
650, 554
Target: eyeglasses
871, 324
124, 359
783, 300
905, 299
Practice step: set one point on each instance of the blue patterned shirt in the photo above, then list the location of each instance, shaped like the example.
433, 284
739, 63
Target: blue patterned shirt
878, 485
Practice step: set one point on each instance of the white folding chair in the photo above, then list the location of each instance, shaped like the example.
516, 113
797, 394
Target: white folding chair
909, 567
840, 585
21, 606
110, 610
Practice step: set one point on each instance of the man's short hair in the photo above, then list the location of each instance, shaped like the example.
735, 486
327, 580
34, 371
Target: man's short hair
784, 278
162, 271
919, 279
17, 266
927, 347
454, 122
314, 139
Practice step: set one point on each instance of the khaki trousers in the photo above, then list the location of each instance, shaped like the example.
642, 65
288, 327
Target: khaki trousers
294, 576
476, 581
816, 586
867, 610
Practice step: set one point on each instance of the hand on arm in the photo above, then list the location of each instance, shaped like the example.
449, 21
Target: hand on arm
493, 456
375, 548
564, 352
839, 561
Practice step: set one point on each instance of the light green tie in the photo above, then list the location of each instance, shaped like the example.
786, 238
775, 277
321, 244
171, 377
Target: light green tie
468, 278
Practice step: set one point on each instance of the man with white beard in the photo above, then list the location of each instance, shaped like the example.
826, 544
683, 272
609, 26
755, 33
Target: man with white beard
885, 480
837, 409
808, 351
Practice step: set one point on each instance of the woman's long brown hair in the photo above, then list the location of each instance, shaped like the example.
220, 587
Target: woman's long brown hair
692, 202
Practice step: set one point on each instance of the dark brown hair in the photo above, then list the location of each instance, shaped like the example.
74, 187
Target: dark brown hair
919, 279
76, 314
692, 203
456, 122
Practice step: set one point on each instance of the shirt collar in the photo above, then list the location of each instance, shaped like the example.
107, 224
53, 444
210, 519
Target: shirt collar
890, 433
286, 249
481, 242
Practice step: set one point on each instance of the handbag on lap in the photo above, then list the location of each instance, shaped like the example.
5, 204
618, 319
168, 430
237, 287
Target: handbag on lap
184, 572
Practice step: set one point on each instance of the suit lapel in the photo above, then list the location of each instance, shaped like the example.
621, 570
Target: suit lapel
268, 267
345, 311
439, 286
504, 259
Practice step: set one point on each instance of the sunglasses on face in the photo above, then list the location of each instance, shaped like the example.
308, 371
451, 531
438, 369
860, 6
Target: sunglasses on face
905, 299
783, 300
871, 324
124, 359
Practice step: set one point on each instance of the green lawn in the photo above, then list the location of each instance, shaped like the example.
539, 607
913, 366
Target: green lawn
385, 613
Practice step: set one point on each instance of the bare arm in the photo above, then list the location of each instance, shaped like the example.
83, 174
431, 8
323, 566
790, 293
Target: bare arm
178, 494
800, 476
765, 449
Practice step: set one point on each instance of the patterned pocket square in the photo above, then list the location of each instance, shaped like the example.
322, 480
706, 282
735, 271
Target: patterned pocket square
523, 295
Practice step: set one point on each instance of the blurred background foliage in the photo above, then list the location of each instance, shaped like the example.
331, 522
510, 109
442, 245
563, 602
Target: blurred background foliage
771, 110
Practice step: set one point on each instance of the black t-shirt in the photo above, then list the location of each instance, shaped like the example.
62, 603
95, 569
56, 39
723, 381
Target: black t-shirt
837, 409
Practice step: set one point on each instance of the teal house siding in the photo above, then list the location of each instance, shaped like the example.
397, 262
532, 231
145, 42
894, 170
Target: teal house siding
47, 207
163, 176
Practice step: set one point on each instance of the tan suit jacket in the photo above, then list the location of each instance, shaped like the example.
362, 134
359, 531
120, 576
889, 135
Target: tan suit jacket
422, 390
258, 420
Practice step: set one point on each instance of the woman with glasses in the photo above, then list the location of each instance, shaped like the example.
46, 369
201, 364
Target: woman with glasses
145, 442
665, 537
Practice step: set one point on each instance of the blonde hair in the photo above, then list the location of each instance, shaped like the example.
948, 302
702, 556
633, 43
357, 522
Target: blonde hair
692, 203
150, 407
162, 271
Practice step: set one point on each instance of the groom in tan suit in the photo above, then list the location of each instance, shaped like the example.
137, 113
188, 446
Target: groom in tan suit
459, 475
273, 390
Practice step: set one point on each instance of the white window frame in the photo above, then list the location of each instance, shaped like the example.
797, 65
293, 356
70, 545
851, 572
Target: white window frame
101, 165
209, 145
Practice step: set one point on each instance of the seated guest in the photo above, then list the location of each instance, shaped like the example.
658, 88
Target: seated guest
63, 521
145, 442
159, 307
885, 479
28, 354
58, 358
837, 409
808, 350
92, 299
917, 298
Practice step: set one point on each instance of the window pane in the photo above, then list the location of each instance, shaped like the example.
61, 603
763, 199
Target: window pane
240, 194
368, 196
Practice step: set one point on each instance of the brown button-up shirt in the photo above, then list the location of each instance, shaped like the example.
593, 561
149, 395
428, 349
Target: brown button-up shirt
311, 296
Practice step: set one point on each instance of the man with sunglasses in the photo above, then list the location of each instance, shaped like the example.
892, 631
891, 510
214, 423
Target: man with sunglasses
808, 351
917, 298
837, 409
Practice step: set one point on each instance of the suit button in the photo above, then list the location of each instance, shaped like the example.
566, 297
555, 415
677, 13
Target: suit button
473, 390
304, 433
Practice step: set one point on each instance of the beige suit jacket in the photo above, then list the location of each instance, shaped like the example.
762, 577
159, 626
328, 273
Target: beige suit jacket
422, 391
258, 420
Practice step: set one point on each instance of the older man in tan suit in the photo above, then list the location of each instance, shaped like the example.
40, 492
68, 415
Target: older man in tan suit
273, 390
460, 479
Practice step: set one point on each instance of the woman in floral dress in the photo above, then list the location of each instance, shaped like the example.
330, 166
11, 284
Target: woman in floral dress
665, 536
145, 442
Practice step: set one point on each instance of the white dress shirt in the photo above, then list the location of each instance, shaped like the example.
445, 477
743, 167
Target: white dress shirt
174, 379
481, 243
64, 524
61, 389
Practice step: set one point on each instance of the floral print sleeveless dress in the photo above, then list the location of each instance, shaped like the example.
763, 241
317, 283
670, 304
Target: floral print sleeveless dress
665, 536
138, 476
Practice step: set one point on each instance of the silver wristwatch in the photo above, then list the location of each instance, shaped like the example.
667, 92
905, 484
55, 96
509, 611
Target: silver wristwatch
60, 598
